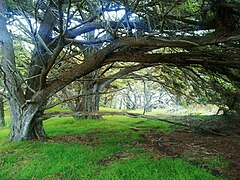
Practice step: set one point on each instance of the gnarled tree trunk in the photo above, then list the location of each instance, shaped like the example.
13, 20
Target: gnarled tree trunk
26, 125
24, 113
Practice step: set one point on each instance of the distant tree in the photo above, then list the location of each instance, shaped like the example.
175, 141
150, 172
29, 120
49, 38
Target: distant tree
141, 91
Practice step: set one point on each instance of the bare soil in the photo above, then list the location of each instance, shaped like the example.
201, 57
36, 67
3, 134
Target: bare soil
196, 147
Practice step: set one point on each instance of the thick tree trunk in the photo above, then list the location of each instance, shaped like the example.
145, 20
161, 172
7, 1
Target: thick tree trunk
24, 116
25, 123
25, 108
90, 102
2, 120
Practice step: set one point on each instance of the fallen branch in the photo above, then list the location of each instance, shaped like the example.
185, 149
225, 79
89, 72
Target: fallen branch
134, 115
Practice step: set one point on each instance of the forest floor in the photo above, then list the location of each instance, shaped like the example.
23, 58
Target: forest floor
218, 154
204, 150
120, 147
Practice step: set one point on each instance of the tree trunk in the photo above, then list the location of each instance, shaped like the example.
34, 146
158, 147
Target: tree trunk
234, 110
90, 102
147, 98
229, 122
2, 120
26, 123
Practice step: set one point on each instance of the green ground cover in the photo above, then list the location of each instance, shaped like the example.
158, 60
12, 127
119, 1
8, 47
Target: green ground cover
93, 149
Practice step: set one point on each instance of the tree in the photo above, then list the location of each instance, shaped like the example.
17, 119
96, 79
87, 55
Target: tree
202, 35
2, 121
141, 90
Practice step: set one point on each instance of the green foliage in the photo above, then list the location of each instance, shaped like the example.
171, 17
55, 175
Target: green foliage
190, 6
103, 150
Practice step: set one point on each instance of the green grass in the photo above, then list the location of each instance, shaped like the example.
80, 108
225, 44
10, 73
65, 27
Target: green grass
215, 162
105, 149
145, 168
6, 117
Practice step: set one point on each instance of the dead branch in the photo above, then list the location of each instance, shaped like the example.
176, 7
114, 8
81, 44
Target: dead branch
134, 115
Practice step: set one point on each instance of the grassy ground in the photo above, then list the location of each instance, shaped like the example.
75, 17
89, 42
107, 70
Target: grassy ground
93, 149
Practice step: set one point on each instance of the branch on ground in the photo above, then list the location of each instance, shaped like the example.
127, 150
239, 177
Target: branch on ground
171, 120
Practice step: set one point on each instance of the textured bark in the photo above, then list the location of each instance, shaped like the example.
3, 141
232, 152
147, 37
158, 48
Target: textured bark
25, 124
89, 103
9, 67
2, 120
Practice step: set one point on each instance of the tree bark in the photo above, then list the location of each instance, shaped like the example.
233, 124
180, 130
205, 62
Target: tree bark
2, 120
89, 103
26, 124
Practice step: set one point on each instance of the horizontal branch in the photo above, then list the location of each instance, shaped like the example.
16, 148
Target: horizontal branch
91, 26
181, 58
181, 42
118, 51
